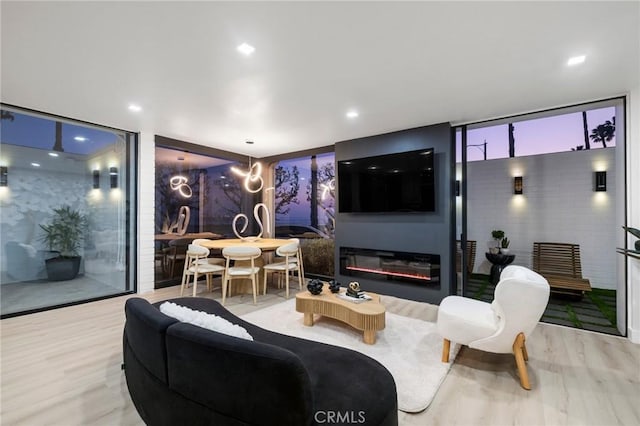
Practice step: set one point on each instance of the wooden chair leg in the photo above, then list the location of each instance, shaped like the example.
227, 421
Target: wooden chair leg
524, 350
518, 346
225, 283
446, 345
286, 280
253, 284
195, 282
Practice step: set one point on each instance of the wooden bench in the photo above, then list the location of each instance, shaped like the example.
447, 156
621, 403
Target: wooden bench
470, 255
560, 264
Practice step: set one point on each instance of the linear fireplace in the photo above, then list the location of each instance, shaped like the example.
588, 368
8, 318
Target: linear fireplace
387, 265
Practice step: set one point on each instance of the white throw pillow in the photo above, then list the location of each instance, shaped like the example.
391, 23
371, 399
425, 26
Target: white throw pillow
204, 320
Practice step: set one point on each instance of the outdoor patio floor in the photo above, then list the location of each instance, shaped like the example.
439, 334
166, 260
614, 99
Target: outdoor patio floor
596, 311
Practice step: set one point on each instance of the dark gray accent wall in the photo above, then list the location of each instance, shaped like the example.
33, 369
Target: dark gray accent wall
432, 232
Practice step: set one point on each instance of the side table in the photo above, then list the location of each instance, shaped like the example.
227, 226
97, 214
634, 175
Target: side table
498, 262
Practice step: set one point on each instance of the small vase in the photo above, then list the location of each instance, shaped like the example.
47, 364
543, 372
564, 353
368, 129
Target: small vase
504, 251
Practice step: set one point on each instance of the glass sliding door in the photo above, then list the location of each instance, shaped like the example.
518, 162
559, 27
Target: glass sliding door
67, 211
552, 178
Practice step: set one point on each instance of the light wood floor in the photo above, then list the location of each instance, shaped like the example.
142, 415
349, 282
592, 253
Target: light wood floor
62, 367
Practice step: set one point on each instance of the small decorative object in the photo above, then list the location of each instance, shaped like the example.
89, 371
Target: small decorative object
354, 290
505, 245
494, 246
315, 287
334, 286
256, 214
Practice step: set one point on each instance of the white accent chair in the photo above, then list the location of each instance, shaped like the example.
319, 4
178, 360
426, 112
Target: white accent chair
290, 253
502, 326
193, 267
240, 254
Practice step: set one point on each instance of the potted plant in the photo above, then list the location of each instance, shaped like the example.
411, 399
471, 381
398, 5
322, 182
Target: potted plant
504, 245
497, 236
64, 235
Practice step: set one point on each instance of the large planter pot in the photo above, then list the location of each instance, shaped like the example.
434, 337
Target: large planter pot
63, 268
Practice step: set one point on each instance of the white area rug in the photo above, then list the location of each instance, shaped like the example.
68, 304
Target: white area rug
410, 349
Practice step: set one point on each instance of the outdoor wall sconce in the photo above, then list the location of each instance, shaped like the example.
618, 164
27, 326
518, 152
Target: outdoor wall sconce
96, 179
600, 181
517, 185
457, 188
113, 175
4, 178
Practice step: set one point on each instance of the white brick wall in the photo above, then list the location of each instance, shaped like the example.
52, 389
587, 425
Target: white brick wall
146, 211
558, 205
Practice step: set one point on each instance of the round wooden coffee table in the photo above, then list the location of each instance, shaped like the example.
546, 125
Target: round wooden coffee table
368, 316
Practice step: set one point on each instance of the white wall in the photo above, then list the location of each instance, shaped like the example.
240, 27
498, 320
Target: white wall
633, 212
558, 205
146, 211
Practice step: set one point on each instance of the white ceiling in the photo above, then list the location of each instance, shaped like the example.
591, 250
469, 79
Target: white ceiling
401, 65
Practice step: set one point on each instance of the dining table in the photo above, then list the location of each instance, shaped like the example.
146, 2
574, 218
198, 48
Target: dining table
264, 244
192, 235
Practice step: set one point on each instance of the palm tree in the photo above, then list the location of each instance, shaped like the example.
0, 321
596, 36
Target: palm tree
603, 133
586, 130
512, 142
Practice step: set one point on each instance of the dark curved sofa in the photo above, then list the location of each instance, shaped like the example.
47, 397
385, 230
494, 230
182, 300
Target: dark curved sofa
181, 374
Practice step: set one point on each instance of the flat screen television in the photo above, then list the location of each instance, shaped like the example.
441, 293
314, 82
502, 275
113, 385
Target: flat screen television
402, 182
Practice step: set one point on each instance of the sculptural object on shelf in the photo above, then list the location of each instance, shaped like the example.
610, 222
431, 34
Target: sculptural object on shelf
256, 215
354, 290
334, 286
315, 286
181, 224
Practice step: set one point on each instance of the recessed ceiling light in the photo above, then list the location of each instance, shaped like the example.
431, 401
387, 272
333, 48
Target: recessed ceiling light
180, 158
246, 49
249, 142
575, 60
53, 154
80, 138
352, 114
35, 164
135, 108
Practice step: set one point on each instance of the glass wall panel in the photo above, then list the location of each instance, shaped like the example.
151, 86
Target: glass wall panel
67, 223
305, 208
197, 196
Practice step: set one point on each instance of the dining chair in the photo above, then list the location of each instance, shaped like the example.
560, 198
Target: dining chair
176, 253
298, 259
193, 268
291, 263
208, 260
237, 254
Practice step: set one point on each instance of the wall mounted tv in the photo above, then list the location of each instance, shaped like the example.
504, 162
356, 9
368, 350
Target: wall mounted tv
402, 182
